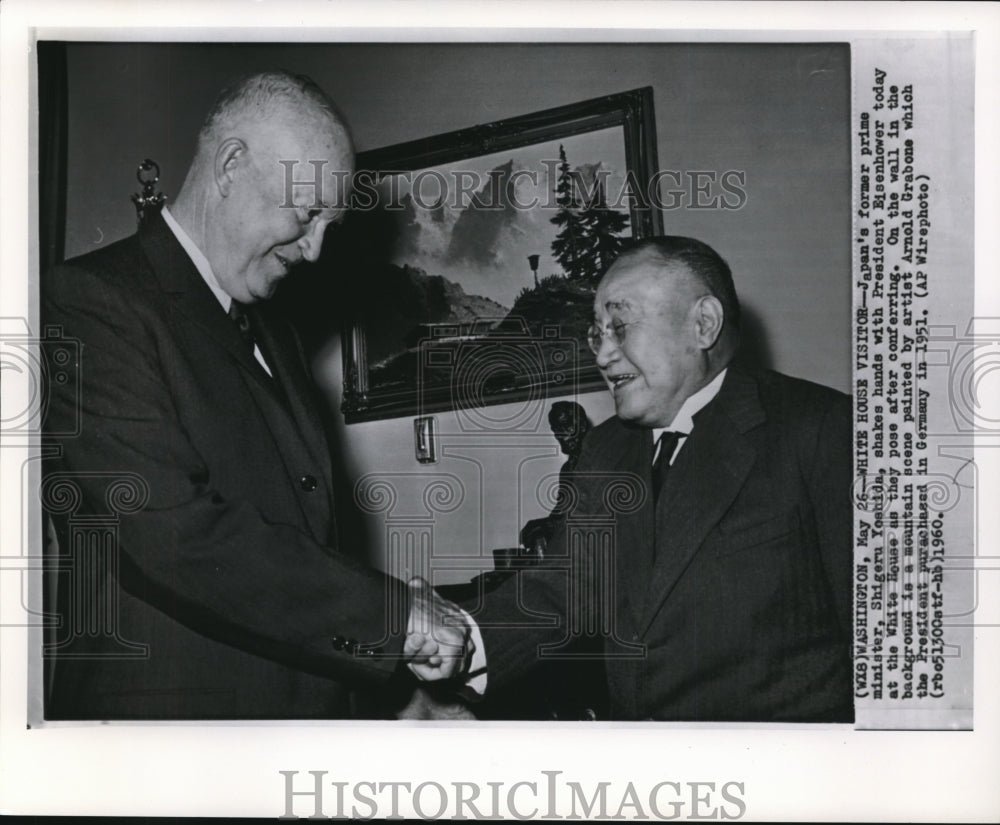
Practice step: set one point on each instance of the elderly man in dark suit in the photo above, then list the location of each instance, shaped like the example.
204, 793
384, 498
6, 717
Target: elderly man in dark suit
710, 536
227, 576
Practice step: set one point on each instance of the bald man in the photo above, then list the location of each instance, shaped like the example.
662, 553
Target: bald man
722, 498
225, 592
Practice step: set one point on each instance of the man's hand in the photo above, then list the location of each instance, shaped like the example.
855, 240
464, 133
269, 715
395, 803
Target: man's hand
438, 639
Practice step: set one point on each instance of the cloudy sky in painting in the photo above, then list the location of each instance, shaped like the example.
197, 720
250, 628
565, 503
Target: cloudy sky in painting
486, 250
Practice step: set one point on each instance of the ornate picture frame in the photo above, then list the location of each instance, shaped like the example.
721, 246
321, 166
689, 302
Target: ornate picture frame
473, 256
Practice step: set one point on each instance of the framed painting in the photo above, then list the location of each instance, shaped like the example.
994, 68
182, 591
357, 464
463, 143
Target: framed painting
474, 256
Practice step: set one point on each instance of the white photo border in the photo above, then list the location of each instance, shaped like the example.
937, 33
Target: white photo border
788, 772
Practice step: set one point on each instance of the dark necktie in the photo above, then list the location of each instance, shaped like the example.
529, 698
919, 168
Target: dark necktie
668, 444
238, 315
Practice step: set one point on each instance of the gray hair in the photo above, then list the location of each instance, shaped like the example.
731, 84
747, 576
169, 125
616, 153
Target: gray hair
263, 95
698, 258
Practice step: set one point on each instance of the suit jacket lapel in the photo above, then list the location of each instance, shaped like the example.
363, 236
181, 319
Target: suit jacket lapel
298, 432
637, 530
709, 471
179, 278
627, 451
281, 348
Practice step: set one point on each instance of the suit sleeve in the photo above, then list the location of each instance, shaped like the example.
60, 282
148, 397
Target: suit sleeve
526, 612
531, 608
211, 562
830, 481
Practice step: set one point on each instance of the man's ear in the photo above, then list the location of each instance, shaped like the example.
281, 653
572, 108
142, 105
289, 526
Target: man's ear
228, 157
709, 318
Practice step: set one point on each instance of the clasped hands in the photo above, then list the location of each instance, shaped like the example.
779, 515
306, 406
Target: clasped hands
438, 636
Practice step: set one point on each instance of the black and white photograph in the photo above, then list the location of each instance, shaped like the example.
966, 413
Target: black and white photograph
471, 401
235, 588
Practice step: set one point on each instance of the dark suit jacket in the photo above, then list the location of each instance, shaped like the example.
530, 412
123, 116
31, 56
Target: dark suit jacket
737, 585
229, 573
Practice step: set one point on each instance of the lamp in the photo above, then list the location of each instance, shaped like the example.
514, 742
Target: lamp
533, 263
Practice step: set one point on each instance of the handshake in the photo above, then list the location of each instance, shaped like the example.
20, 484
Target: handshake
439, 643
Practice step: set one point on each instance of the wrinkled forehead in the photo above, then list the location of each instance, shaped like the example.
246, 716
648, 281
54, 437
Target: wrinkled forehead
640, 287
312, 158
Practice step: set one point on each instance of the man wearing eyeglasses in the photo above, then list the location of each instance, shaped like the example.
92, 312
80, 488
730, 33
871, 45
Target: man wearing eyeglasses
722, 497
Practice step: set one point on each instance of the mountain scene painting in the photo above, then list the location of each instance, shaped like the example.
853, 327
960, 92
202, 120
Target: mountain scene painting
484, 270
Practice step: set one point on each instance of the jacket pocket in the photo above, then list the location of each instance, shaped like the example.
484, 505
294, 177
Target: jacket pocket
745, 536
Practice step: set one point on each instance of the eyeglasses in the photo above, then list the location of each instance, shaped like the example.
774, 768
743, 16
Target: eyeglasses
615, 333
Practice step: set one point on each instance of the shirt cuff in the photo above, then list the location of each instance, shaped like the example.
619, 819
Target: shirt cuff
475, 680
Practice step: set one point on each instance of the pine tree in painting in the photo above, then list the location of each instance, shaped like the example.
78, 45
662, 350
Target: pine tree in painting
569, 246
602, 228
589, 237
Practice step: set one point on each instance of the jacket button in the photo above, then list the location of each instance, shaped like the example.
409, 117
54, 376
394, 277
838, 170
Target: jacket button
308, 482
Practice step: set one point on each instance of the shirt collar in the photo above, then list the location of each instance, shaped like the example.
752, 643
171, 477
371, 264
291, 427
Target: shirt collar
684, 420
198, 259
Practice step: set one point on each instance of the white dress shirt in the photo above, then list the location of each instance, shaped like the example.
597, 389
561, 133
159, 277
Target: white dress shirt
683, 422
